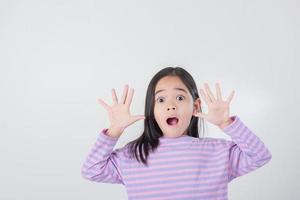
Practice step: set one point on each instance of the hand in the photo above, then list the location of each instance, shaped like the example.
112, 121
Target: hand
119, 114
218, 110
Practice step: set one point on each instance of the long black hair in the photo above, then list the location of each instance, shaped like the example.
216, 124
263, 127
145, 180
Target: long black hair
149, 140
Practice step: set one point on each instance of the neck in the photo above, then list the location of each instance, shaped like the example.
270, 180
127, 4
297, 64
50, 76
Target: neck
173, 137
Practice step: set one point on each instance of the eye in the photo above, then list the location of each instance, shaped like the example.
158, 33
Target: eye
159, 99
180, 97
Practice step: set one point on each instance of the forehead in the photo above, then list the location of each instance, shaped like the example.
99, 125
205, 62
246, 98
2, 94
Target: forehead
169, 83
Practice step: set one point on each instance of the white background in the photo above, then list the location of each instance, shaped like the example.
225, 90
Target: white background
58, 57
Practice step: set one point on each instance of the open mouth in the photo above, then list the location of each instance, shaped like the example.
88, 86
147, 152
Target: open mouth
172, 121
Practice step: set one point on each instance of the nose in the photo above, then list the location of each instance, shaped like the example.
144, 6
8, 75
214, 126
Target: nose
171, 108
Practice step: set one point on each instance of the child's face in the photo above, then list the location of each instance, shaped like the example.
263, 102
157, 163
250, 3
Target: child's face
171, 102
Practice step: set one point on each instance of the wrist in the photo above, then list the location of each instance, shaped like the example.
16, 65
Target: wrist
114, 132
225, 123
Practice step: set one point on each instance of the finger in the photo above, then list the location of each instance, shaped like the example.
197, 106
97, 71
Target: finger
218, 90
230, 97
107, 107
210, 94
125, 91
207, 101
129, 96
114, 96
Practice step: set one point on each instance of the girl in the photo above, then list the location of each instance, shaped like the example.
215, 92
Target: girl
169, 161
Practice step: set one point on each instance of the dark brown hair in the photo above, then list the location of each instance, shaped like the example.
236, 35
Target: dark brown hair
149, 140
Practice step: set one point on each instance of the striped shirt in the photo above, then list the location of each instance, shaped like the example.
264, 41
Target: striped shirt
183, 167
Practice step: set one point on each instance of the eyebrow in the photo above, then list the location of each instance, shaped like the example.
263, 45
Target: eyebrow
180, 89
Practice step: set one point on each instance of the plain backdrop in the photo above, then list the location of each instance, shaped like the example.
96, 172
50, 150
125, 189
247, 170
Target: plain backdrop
58, 57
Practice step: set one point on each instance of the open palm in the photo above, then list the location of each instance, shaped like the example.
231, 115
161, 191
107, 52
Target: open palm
218, 109
119, 112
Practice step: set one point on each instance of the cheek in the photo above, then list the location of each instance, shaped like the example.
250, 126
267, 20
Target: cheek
156, 112
187, 110
187, 114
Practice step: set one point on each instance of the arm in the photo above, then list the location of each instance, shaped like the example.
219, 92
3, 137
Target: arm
246, 151
103, 163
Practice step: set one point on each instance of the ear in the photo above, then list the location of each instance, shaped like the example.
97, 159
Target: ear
196, 106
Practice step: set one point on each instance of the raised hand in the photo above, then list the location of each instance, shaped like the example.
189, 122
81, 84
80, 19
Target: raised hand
218, 109
119, 113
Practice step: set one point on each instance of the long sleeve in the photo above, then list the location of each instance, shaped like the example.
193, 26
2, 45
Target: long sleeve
103, 164
246, 151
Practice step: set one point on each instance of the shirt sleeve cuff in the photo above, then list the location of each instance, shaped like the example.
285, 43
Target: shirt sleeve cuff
104, 134
235, 121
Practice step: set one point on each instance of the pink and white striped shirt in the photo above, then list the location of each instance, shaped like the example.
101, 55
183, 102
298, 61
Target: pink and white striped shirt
180, 168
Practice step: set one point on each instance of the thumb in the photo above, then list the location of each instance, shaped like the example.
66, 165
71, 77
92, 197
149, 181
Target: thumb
136, 118
201, 115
